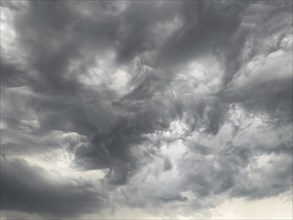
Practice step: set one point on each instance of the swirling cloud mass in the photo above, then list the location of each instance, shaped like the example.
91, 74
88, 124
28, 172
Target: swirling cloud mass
134, 109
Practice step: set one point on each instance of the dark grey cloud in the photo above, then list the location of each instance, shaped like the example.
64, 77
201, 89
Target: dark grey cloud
177, 102
29, 189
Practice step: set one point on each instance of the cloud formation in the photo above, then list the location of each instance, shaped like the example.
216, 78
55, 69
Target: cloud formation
167, 106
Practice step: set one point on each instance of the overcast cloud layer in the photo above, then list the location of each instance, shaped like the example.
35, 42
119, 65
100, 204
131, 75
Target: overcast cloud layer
169, 107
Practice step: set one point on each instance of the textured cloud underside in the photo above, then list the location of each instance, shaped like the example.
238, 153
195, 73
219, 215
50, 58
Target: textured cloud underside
170, 107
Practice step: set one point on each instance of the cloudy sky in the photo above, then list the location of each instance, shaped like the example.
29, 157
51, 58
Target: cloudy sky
146, 109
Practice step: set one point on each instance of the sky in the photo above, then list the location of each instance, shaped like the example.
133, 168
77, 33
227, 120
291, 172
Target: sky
146, 109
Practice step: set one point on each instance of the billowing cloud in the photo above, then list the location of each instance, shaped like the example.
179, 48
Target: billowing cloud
170, 107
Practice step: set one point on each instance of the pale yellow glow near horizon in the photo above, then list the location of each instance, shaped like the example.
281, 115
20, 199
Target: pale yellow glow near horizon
275, 208
279, 207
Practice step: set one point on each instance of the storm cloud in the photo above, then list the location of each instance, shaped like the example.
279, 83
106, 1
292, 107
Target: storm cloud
171, 107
